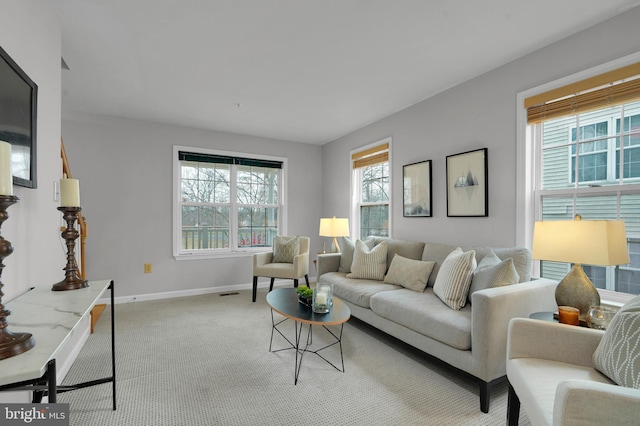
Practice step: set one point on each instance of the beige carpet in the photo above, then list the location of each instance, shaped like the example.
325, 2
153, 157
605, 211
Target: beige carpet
204, 360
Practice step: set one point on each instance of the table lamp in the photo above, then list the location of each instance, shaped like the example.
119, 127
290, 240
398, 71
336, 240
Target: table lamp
589, 242
334, 227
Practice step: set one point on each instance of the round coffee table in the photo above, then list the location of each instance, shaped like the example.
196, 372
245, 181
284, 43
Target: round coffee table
284, 301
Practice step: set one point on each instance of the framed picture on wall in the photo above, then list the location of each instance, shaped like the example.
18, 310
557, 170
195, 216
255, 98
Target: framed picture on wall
416, 184
468, 184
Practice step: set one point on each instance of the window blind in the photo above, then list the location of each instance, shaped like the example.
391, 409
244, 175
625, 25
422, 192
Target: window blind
368, 157
609, 89
223, 159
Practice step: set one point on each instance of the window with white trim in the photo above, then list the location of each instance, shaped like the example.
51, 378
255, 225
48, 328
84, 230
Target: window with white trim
226, 202
586, 138
371, 191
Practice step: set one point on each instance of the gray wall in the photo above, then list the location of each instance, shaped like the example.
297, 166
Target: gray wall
479, 113
125, 172
30, 33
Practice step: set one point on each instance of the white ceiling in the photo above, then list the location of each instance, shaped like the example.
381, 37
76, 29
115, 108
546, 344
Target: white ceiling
299, 70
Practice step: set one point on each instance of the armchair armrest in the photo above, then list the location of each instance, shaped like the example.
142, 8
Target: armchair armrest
585, 402
260, 259
491, 311
530, 338
301, 264
328, 262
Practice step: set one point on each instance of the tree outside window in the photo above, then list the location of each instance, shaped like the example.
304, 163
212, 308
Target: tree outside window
227, 203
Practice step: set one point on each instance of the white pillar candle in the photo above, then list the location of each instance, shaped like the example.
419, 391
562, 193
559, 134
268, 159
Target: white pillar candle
6, 176
69, 193
321, 298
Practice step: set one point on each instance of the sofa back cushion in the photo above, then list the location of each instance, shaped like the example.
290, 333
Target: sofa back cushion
437, 253
409, 249
493, 272
521, 258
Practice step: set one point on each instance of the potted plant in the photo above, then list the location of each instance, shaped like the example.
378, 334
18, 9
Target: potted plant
305, 295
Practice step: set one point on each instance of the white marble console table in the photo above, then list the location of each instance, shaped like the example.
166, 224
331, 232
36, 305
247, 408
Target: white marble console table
52, 317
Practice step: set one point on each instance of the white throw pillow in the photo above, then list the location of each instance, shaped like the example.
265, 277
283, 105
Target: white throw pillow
285, 249
369, 264
493, 272
409, 273
347, 249
454, 278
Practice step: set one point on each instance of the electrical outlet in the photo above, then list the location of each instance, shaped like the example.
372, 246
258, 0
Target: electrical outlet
147, 268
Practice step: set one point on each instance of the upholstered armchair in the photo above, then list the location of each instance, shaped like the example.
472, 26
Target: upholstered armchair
289, 259
551, 373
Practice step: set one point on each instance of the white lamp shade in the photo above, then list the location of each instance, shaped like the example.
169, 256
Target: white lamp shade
334, 227
588, 242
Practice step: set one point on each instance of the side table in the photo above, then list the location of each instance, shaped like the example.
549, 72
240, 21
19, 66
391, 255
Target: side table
552, 317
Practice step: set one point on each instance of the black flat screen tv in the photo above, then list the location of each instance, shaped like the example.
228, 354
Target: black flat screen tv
18, 106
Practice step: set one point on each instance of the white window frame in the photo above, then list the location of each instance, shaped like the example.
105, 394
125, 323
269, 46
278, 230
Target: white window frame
528, 162
356, 190
234, 250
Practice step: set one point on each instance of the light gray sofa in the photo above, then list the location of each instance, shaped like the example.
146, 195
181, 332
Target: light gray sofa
472, 339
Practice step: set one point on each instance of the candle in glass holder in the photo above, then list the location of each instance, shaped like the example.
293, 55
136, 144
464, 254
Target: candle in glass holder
569, 315
321, 298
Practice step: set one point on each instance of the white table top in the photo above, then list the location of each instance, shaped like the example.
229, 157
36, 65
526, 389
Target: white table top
51, 317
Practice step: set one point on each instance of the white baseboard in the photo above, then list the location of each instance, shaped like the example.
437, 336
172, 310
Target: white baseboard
196, 292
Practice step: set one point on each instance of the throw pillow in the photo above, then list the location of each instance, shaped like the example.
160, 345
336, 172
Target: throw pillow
369, 264
347, 249
285, 249
454, 278
618, 354
492, 272
409, 273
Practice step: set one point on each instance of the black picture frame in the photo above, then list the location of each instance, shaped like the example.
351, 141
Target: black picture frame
468, 184
416, 185
18, 119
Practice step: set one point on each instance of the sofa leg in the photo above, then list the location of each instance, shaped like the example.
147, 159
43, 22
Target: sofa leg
295, 283
484, 396
513, 407
255, 287
271, 284
306, 278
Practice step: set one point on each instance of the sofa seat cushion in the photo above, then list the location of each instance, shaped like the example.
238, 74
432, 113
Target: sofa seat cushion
426, 314
536, 380
356, 291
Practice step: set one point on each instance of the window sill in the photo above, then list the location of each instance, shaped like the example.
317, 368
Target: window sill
614, 298
220, 255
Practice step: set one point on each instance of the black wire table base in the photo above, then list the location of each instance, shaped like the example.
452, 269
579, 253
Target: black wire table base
297, 346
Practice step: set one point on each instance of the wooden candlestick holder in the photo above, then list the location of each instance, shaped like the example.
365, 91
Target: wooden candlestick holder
11, 344
72, 281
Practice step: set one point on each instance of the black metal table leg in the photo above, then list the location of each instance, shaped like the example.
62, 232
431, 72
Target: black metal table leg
51, 381
113, 345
